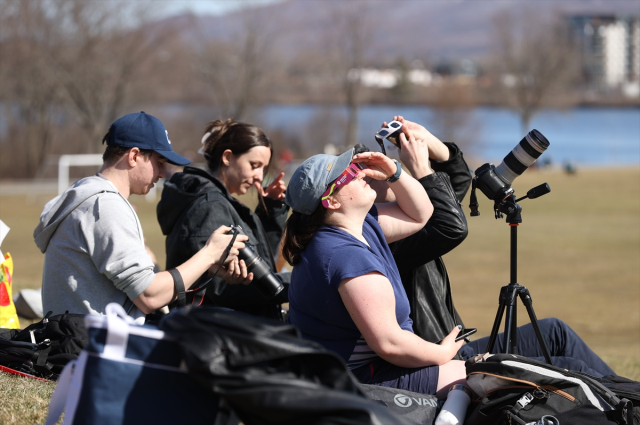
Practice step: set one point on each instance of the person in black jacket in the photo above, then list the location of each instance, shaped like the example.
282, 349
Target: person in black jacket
446, 178
195, 201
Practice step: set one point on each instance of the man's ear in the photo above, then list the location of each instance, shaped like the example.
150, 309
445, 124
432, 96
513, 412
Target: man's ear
226, 157
132, 157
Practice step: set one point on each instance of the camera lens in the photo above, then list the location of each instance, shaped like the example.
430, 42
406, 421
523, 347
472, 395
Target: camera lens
522, 156
263, 278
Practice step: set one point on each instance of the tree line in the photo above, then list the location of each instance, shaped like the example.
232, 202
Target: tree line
69, 68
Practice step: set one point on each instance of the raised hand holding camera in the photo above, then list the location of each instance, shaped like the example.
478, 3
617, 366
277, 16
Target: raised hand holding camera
414, 154
218, 239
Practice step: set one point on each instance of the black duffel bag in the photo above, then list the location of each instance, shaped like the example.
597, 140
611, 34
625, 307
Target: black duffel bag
43, 349
267, 373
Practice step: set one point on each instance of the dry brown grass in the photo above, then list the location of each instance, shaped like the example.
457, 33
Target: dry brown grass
23, 400
579, 255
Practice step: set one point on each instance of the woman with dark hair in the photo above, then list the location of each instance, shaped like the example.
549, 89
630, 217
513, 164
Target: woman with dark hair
346, 292
194, 201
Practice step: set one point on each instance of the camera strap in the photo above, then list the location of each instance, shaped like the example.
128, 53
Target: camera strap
200, 290
179, 285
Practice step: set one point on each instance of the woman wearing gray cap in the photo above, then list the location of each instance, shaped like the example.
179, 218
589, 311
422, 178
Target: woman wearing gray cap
346, 291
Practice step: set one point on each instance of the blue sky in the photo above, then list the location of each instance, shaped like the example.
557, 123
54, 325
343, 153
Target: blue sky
201, 7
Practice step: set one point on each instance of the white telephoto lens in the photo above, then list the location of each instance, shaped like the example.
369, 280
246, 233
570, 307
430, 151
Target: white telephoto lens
522, 156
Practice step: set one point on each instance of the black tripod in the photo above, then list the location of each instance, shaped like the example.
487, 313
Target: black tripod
509, 293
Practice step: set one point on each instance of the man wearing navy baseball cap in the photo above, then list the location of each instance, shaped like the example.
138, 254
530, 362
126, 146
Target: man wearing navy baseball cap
92, 239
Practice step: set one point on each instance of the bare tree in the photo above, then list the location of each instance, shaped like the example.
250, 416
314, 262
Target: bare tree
342, 49
67, 61
536, 60
350, 37
98, 55
452, 118
241, 67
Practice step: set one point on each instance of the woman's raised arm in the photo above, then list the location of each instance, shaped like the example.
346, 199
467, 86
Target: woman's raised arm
412, 208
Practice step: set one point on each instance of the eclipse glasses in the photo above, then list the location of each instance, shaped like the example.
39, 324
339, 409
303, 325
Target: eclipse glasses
391, 132
343, 179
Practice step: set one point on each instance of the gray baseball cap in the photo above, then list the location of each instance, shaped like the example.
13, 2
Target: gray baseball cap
312, 178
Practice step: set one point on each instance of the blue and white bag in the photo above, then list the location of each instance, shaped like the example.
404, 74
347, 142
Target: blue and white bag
129, 374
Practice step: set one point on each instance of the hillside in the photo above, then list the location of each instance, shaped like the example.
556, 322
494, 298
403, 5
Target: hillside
415, 29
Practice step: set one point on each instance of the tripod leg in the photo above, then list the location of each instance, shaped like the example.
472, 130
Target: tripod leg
498, 319
510, 321
514, 329
528, 303
508, 328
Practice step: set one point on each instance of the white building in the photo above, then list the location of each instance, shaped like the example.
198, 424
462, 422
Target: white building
610, 51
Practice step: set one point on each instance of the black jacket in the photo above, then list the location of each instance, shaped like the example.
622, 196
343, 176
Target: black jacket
418, 256
193, 205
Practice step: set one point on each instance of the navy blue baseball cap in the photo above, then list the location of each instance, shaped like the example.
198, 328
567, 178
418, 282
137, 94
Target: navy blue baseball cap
143, 131
311, 179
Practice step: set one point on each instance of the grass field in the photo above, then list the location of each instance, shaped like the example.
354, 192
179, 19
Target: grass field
579, 255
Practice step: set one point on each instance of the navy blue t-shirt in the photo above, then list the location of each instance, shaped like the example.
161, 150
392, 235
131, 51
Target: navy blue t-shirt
315, 306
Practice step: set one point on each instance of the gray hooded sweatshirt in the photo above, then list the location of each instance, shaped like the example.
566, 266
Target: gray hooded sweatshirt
94, 250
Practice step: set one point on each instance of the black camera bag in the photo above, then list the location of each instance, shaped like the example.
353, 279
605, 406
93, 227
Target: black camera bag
267, 373
519, 390
43, 349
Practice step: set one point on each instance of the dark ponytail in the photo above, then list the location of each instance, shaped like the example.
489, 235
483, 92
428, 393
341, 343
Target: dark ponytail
298, 232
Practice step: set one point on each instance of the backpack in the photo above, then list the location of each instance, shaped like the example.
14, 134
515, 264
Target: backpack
43, 349
268, 374
519, 390
625, 388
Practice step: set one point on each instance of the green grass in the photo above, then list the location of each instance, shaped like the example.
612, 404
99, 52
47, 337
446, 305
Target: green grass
579, 255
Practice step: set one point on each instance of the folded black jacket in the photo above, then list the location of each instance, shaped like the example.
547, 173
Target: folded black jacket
193, 205
418, 256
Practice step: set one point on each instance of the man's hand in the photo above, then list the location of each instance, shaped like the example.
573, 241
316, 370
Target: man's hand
275, 190
415, 156
217, 244
437, 149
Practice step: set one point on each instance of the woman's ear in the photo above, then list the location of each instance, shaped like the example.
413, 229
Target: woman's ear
332, 203
226, 157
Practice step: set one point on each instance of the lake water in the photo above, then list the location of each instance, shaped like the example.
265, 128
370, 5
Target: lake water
586, 136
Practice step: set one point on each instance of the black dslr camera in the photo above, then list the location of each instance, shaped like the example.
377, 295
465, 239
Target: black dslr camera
495, 182
264, 279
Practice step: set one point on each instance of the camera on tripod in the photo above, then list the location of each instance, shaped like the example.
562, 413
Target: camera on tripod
263, 278
495, 182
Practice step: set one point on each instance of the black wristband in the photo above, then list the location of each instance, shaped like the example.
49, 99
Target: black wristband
394, 178
178, 283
